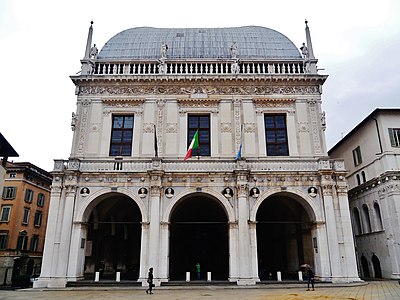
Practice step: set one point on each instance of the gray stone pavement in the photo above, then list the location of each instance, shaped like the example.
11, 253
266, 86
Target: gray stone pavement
374, 290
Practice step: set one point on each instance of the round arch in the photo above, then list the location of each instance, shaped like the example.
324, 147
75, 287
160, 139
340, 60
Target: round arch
94, 199
178, 197
302, 198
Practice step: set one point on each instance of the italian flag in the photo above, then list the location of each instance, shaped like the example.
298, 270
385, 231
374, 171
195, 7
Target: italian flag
193, 145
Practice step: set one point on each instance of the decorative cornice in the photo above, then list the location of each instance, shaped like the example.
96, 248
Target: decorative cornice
122, 102
216, 89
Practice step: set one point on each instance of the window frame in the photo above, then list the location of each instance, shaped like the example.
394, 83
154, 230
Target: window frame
357, 157
121, 143
276, 130
4, 240
34, 244
394, 136
38, 218
204, 131
9, 192
29, 195
9, 207
25, 218
40, 199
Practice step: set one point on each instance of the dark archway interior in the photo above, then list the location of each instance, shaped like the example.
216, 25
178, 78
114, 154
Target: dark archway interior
199, 233
364, 265
377, 266
283, 238
114, 234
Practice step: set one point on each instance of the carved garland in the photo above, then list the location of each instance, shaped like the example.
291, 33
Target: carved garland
188, 90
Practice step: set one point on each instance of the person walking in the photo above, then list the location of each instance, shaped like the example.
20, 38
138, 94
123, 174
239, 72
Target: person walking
310, 279
150, 282
198, 270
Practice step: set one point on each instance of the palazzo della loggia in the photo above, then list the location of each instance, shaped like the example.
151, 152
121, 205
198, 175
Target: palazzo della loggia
258, 198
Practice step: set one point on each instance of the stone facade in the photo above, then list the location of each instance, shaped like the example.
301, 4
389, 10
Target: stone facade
371, 152
243, 219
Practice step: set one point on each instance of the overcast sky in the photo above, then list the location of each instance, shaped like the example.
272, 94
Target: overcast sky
42, 42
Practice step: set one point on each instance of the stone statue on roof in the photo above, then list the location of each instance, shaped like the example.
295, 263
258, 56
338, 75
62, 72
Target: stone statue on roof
93, 52
233, 50
164, 49
304, 51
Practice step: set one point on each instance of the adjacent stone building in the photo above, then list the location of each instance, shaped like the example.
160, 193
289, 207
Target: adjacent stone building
259, 195
23, 218
371, 152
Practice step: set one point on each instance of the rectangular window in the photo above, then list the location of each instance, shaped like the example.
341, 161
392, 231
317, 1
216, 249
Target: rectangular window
28, 195
22, 242
9, 192
13, 175
3, 240
201, 123
40, 199
121, 136
5, 213
34, 243
357, 156
38, 218
276, 135
394, 134
25, 219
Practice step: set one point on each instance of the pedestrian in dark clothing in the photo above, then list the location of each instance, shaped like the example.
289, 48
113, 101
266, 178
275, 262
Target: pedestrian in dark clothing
150, 282
310, 279
198, 270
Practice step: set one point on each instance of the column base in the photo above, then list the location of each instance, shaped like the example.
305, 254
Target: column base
45, 282
248, 281
395, 276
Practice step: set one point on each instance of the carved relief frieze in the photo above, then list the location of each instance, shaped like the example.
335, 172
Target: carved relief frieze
237, 107
171, 128
82, 128
148, 127
274, 103
198, 89
95, 127
195, 102
249, 127
160, 125
122, 102
226, 127
303, 127
314, 120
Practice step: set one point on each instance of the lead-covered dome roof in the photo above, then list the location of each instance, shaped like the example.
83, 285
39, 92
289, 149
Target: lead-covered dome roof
253, 42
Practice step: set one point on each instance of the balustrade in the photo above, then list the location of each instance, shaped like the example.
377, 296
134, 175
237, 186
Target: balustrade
196, 68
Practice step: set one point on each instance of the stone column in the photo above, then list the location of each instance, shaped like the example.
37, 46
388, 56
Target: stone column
349, 260
77, 252
50, 246
245, 265
253, 250
154, 230
233, 252
164, 252
321, 253
331, 230
389, 195
144, 249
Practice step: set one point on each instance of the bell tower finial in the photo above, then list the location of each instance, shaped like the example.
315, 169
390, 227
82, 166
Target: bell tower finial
308, 40
89, 41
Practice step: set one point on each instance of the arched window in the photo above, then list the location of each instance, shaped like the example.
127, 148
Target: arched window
364, 179
366, 219
358, 179
357, 221
378, 217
